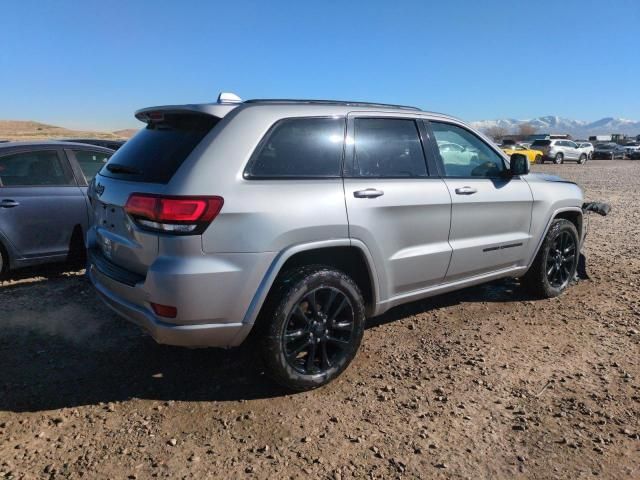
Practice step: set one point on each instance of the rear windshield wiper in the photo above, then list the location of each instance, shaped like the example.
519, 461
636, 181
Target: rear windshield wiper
117, 168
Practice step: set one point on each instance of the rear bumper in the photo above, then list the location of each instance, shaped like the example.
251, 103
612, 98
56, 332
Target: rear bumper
211, 304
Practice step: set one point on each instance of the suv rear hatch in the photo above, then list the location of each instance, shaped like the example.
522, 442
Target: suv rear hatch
541, 146
130, 207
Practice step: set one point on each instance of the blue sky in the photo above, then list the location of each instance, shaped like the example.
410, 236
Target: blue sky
92, 63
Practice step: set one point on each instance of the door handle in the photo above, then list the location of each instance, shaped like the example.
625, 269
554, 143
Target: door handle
368, 193
8, 204
466, 190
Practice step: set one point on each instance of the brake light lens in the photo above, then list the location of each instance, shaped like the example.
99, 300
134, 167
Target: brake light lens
170, 214
164, 310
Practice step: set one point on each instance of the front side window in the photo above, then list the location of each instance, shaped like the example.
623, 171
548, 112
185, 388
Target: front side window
464, 154
33, 169
91, 162
300, 148
388, 147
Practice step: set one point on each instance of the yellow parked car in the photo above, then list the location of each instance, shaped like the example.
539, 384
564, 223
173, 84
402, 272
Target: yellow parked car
534, 156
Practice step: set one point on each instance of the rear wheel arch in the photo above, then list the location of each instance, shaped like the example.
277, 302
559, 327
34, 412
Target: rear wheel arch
351, 260
354, 261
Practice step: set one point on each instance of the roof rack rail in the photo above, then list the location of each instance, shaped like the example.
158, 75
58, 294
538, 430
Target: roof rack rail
330, 102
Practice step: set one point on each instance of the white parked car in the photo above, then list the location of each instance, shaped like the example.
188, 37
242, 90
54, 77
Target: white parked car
631, 147
587, 148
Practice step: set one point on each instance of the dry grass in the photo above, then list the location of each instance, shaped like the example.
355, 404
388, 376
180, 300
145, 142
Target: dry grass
29, 130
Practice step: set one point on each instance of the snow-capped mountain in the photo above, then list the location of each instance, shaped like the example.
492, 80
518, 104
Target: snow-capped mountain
555, 124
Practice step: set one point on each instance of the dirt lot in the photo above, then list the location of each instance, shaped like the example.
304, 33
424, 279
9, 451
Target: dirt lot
483, 383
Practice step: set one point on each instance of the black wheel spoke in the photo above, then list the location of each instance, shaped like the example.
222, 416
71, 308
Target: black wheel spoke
326, 308
339, 342
311, 357
300, 313
311, 297
326, 363
339, 309
295, 334
299, 350
346, 325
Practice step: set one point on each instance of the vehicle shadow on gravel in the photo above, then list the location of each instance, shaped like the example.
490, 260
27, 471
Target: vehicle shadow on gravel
82, 354
500, 291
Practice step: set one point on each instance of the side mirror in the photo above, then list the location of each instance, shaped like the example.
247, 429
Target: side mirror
518, 165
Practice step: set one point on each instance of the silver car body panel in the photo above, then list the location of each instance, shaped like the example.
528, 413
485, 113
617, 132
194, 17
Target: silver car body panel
418, 239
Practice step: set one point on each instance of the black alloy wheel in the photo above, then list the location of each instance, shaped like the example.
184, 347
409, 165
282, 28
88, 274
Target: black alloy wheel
318, 331
561, 260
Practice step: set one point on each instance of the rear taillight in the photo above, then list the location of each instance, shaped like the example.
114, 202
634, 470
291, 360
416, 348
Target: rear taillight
164, 310
176, 215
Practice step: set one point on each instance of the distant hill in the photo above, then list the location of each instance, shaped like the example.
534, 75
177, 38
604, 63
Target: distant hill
29, 130
576, 128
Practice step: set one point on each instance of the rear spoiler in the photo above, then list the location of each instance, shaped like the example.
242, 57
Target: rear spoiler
214, 109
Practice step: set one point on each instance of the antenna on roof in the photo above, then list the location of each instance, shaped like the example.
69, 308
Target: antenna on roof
228, 97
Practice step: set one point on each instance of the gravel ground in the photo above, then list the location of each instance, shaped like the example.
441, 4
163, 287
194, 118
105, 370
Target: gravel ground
482, 383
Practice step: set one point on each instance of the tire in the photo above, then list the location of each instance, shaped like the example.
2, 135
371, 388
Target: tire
312, 327
558, 159
538, 159
550, 274
77, 255
4, 262
583, 159
613, 156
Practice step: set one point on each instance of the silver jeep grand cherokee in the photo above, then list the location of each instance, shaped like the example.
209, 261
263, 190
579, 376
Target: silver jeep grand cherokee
297, 219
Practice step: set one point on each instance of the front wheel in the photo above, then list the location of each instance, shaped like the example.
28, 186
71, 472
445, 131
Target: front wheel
555, 264
314, 327
538, 159
558, 159
583, 159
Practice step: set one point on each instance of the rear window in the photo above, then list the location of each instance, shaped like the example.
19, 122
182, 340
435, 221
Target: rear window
155, 153
541, 143
300, 148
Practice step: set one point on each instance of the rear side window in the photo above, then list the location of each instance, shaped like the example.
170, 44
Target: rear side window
155, 153
300, 148
91, 162
33, 169
388, 147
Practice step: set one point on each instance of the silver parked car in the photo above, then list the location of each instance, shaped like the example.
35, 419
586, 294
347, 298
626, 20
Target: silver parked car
44, 210
560, 150
295, 220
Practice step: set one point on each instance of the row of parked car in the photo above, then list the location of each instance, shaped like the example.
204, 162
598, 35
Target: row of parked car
560, 150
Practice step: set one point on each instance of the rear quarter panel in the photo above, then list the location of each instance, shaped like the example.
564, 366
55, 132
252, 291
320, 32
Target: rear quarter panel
259, 215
